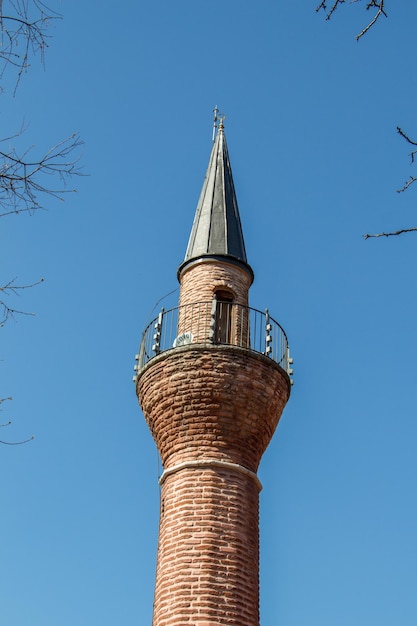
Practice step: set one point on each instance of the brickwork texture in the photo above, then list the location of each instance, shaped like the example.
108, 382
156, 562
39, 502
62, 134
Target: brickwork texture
201, 280
207, 403
212, 410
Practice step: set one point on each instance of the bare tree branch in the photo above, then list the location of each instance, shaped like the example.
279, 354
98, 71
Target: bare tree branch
329, 13
397, 232
377, 4
17, 443
407, 184
407, 138
14, 443
7, 312
381, 11
24, 179
23, 30
412, 179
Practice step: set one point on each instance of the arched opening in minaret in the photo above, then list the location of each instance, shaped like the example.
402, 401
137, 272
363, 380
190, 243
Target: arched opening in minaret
223, 301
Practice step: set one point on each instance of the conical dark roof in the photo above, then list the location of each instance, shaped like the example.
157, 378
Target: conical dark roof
217, 230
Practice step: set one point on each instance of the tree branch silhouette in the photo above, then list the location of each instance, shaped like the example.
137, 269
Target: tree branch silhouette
11, 288
28, 179
391, 234
377, 4
24, 28
380, 6
412, 179
406, 185
13, 443
25, 182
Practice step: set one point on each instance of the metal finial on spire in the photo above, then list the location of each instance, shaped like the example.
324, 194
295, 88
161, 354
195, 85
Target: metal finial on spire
218, 120
215, 111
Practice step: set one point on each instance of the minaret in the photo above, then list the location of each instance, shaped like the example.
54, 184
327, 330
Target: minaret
212, 379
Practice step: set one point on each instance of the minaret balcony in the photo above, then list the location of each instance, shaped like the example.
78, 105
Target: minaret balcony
215, 323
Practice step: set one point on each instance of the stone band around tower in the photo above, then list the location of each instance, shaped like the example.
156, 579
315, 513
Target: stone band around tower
201, 463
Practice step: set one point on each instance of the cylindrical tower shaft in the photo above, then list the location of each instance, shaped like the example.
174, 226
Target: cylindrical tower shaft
208, 555
212, 411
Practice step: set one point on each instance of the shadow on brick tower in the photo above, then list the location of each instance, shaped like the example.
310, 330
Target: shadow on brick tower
213, 377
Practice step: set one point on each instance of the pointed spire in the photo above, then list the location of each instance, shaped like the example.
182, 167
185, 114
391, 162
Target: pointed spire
217, 231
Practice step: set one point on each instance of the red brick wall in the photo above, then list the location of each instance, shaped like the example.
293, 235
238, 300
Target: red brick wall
208, 557
219, 403
199, 282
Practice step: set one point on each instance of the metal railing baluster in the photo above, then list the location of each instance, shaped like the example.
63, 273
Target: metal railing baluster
211, 322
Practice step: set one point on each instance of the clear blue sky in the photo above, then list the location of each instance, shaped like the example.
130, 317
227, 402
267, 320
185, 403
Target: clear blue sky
311, 119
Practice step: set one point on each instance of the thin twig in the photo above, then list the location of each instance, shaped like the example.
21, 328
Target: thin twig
24, 26
407, 184
13, 443
377, 4
11, 288
408, 140
397, 232
22, 180
323, 6
17, 443
381, 11
412, 179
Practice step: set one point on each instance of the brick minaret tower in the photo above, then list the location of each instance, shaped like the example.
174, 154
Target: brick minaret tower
212, 380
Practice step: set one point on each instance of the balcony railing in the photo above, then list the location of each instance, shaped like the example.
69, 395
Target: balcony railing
215, 323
